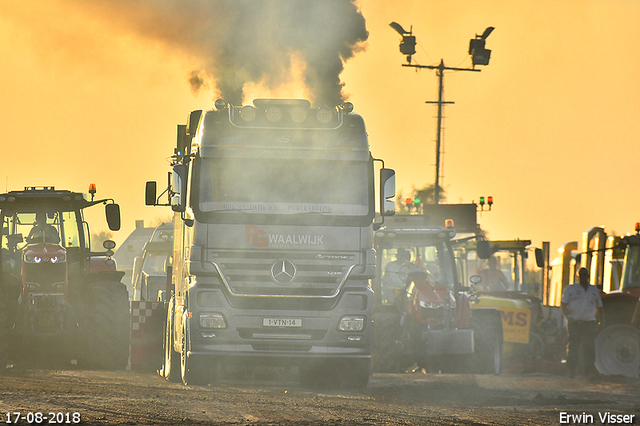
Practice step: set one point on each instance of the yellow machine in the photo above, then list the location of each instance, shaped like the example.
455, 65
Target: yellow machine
505, 278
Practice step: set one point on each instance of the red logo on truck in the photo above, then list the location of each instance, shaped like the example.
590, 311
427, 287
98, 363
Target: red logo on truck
257, 236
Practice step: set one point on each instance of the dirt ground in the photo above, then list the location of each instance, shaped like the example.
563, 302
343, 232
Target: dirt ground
133, 398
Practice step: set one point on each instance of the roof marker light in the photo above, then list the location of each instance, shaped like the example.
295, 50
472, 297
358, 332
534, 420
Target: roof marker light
298, 114
324, 115
220, 104
248, 113
273, 114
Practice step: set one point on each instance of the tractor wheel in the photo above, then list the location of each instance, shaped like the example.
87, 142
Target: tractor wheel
106, 326
5, 327
487, 339
171, 361
387, 355
618, 350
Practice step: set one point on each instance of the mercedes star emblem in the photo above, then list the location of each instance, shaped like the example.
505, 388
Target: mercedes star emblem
283, 271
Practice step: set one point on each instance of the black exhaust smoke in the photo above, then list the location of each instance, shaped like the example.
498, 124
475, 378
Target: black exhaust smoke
250, 41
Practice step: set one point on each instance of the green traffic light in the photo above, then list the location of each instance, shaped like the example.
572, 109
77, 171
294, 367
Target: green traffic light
416, 200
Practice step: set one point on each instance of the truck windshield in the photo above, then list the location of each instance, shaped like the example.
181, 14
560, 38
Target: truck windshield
631, 272
284, 187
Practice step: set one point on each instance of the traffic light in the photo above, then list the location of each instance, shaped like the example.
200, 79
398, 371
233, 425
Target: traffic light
489, 202
479, 54
413, 203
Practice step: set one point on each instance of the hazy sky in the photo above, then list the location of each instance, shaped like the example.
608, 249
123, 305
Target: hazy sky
550, 129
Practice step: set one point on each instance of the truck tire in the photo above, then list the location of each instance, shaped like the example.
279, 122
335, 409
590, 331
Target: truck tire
192, 370
171, 359
105, 326
487, 339
387, 356
618, 350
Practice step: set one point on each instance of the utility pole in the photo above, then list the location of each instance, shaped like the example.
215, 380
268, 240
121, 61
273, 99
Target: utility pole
440, 73
479, 55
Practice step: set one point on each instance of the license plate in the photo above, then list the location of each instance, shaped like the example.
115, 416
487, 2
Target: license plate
281, 322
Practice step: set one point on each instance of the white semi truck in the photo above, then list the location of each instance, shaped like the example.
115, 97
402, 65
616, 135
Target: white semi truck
273, 254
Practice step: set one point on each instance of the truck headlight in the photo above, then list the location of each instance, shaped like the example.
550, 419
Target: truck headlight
212, 320
351, 323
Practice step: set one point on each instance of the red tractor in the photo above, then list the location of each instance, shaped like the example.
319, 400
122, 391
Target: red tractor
423, 317
59, 301
618, 344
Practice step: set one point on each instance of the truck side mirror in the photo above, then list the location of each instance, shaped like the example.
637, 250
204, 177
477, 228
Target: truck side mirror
112, 212
150, 193
387, 192
179, 197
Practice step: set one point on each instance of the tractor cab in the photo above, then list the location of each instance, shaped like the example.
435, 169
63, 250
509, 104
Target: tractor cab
45, 239
501, 265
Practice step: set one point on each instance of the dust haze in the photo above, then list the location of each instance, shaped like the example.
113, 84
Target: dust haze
240, 42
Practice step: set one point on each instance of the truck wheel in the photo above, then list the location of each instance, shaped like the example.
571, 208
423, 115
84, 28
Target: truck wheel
487, 340
618, 350
387, 356
192, 370
171, 361
106, 326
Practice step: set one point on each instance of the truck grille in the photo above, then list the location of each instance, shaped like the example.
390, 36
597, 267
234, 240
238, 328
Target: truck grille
283, 273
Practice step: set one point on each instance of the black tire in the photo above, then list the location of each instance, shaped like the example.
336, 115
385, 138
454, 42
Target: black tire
5, 327
171, 360
487, 336
105, 326
387, 354
192, 370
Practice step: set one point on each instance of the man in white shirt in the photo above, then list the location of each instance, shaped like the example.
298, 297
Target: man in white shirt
582, 306
395, 275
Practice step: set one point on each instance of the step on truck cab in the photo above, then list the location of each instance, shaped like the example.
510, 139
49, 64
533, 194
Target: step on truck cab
273, 254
